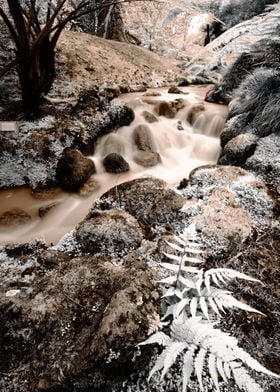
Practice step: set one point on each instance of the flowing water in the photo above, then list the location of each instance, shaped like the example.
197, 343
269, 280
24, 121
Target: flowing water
180, 146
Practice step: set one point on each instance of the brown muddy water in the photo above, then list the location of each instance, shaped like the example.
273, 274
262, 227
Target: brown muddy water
181, 146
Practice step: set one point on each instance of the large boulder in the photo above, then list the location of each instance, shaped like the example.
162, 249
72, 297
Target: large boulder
109, 232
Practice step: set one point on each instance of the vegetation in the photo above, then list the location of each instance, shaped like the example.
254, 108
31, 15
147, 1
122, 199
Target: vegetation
35, 41
193, 306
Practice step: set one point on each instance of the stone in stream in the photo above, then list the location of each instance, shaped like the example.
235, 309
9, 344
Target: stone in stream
149, 117
113, 144
14, 217
142, 137
73, 170
115, 163
174, 90
43, 211
147, 158
152, 94
165, 109
194, 111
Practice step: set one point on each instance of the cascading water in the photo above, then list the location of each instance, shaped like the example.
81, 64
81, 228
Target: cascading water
170, 136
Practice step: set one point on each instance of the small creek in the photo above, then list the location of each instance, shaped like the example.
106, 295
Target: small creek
180, 145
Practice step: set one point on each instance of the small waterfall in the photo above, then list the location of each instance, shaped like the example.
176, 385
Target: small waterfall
170, 136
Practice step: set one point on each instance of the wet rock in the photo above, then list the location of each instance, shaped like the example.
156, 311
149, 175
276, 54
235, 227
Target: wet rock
147, 159
152, 94
43, 211
194, 111
45, 194
143, 139
115, 163
109, 233
89, 187
165, 109
238, 149
149, 117
169, 109
180, 126
174, 90
14, 217
149, 200
113, 144
73, 170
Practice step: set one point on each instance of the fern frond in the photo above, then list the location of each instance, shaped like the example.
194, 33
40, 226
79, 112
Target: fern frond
159, 337
176, 268
226, 274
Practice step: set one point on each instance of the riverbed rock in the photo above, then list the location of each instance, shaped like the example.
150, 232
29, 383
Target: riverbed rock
174, 90
149, 117
73, 170
194, 111
115, 163
43, 211
238, 149
14, 217
149, 200
147, 159
165, 109
109, 233
113, 144
142, 137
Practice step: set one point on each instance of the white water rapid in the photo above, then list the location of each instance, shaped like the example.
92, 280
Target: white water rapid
180, 146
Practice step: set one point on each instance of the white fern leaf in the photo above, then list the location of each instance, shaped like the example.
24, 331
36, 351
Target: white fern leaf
158, 365
203, 306
159, 337
229, 274
175, 246
252, 363
180, 306
192, 260
186, 282
174, 257
188, 366
213, 371
224, 299
215, 280
170, 355
193, 306
198, 365
169, 292
187, 246
199, 281
170, 266
245, 381
221, 370
231, 302
227, 370
214, 306
207, 282
221, 278
219, 304
169, 280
